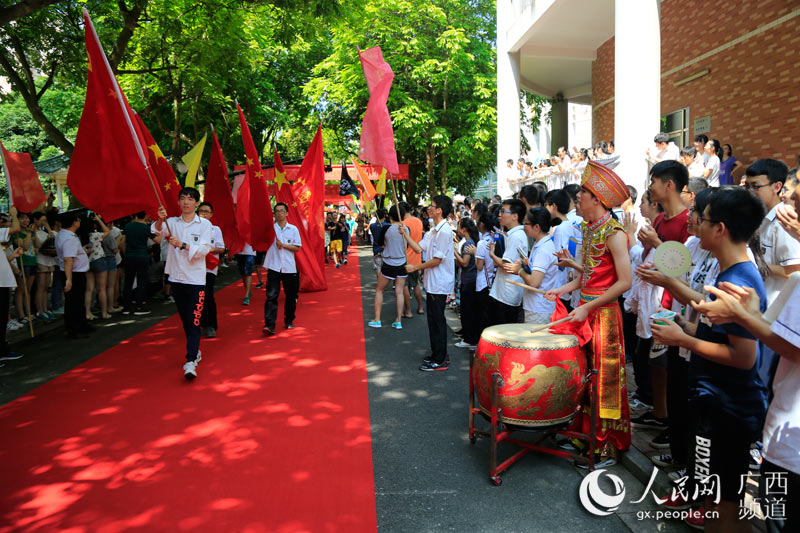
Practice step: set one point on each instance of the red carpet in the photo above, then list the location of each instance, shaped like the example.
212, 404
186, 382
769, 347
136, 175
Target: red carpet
274, 434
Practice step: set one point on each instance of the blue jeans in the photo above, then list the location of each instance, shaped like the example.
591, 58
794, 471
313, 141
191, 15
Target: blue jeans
58, 289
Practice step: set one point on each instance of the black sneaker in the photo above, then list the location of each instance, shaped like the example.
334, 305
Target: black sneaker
432, 367
11, 356
647, 420
127, 311
140, 311
661, 441
429, 359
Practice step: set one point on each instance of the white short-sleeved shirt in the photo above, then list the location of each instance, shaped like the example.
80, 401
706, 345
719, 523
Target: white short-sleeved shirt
486, 275
68, 245
45, 260
216, 242
438, 242
507, 293
713, 164
781, 435
247, 250
186, 266
280, 259
7, 278
542, 259
779, 248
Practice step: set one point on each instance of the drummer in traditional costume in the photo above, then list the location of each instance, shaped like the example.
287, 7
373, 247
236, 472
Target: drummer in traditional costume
606, 275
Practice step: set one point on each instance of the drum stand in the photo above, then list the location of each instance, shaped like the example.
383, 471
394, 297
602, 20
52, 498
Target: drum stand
501, 432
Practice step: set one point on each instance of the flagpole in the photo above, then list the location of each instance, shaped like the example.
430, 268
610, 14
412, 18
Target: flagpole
120, 100
394, 193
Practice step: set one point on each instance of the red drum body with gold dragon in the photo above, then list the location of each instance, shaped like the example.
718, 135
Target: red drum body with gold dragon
544, 375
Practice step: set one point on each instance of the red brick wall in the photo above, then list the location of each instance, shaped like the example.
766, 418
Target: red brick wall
602, 90
751, 92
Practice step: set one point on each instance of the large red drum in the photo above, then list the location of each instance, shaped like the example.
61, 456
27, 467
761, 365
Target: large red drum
544, 375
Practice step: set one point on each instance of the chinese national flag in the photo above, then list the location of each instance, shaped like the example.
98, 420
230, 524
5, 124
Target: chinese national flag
377, 136
309, 190
218, 194
108, 169
165, 176
23, 180
312, 275
260, 225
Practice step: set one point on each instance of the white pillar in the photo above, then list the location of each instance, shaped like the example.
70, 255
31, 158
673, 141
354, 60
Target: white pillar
637, 85
508, 108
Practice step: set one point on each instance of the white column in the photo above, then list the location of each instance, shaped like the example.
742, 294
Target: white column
637, 85
508, 108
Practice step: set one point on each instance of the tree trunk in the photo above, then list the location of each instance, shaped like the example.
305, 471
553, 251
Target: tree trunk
411, 190
443, 177
430, 155
176, 133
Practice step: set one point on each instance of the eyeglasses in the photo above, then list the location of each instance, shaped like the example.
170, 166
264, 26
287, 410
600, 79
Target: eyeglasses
527, 224
507, 212
708, 220
754, 187
686, 192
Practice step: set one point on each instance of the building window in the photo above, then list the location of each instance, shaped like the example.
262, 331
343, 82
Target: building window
676, 124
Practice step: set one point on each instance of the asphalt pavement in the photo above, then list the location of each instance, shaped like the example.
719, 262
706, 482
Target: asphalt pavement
428, 477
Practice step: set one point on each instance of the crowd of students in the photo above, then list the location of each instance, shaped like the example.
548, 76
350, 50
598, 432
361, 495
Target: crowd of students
719, 382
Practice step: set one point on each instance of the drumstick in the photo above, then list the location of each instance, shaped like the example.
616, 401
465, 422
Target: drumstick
528, 287
551, 324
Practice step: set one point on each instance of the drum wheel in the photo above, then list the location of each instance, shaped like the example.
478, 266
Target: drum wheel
497, 480
473, 439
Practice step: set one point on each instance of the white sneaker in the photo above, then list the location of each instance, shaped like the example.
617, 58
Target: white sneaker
13, 325
190, 370
462, 344
199, 357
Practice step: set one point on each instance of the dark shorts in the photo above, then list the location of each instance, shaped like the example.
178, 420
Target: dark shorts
260, 256
31, 270
245, 264
392, 272
413, 279
111, 263
719, 445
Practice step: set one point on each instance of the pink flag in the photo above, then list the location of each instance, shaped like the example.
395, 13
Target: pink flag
377, 137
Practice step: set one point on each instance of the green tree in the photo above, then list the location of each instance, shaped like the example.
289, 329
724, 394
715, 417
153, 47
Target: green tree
442, 102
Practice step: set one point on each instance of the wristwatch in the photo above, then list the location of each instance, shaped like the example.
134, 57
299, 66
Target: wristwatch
183, 246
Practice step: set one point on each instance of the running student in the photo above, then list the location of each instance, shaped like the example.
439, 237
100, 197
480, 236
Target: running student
189, 237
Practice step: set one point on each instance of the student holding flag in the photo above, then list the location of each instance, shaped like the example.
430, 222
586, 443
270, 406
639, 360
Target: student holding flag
189, 237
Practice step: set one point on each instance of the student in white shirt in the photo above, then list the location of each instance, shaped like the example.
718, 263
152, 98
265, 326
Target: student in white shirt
711, 171
208, 322
7, 282
439, 267
542, 264
189, 237
282, 269
73, 264
662, 150
765, 179
506, 299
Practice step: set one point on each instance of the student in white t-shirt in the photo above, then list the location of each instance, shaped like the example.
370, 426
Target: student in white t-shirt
711, 171
7, 282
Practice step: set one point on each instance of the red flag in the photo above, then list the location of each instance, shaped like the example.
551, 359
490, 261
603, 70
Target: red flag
261, 231
167, 182
23, 180
377, 137
309, 190
108, 169
218, 194
312, 274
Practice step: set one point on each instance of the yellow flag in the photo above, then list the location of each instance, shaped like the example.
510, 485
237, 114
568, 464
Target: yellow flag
192, 160
381, 187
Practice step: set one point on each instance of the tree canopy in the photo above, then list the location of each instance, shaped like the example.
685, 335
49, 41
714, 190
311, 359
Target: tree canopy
290, 63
